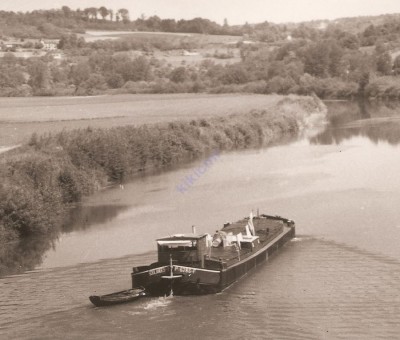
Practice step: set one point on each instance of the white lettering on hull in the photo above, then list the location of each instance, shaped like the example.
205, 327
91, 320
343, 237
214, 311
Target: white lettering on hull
156, 271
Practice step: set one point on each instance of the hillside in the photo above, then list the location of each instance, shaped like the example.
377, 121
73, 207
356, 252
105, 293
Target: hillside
102, 52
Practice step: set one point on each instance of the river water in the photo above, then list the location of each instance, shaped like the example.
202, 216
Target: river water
339, 279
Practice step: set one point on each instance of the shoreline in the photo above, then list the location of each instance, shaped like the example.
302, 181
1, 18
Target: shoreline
45, 176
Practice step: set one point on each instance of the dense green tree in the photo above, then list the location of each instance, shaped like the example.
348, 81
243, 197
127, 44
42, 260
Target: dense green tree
94, 84
70, 41
79, 73
39, 73
49, 30
115, 80
103, 12
335, 59
363, 82
235, 74
281, 85
323, 59
154, 23
67, 11
168, 25
350, 41
9, 59
295, 69
276, 68
384, 63
93, 11
59, 73
369, 36
316, 60
10, 76
178, 74
124, 15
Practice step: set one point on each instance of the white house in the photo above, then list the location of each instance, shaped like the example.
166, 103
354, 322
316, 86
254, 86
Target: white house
49, 45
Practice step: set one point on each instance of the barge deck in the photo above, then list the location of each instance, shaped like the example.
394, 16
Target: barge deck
202, 264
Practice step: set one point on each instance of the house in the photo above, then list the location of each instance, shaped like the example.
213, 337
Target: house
11, 45
49, 45
58, 56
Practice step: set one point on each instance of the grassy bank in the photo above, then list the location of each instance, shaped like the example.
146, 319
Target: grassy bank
41, 178
20, 117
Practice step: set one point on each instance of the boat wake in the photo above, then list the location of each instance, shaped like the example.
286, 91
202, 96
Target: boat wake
302, 238
157, 303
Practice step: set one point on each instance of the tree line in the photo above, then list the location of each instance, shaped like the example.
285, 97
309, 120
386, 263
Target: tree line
52, 23
329, 67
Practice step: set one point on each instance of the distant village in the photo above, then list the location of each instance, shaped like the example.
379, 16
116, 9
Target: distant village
26, 48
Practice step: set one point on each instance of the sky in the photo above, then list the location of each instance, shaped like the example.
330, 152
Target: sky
235, 11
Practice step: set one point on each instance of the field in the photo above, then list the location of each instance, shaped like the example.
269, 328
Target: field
206, 45
20, 117
92, 35
178, 58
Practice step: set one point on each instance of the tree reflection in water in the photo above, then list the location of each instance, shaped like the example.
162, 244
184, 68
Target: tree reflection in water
377, 121
27, 253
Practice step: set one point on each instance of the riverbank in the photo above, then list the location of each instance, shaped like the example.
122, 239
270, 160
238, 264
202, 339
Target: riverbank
43, 177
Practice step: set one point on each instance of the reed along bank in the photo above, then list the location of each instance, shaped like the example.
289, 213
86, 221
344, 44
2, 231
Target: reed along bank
42, 178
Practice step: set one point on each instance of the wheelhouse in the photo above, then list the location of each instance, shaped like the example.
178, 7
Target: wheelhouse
188, 249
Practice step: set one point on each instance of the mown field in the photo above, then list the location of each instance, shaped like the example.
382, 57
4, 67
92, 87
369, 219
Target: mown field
20, 117
93, 35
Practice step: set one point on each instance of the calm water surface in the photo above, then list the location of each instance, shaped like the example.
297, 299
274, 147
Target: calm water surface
339, 279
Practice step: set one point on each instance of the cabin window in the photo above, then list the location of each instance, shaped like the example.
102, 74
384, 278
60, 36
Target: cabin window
175, 246
173, 249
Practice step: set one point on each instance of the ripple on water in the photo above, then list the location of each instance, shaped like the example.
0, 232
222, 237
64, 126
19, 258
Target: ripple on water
313, 289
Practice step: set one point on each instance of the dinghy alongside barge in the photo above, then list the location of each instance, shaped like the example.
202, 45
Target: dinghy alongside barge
117, 298
201, 264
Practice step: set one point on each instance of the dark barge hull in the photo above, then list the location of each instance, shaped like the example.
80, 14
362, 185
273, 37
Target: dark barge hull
194, 280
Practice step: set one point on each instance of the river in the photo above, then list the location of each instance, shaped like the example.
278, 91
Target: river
338, 279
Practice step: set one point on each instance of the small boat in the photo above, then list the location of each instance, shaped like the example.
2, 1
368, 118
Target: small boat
191, 264
118, 297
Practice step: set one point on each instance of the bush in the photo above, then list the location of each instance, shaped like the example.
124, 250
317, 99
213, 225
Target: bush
384, 87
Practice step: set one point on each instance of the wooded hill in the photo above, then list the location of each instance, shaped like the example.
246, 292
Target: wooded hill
343, 58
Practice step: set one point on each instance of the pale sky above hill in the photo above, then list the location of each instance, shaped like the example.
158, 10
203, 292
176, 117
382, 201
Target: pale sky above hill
236, 11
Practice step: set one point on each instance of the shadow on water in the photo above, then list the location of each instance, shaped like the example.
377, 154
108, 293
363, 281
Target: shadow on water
85, 217
377, 121
27, 254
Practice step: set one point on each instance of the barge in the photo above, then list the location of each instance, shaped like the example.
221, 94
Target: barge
193, 264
